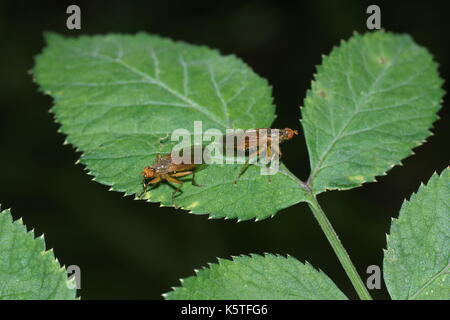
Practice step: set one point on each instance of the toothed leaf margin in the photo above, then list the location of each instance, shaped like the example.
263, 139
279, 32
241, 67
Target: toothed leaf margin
373, 99
27, 270
257, 277
416, 262
119, 97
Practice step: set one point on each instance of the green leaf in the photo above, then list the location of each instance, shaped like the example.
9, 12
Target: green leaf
255, 277
119, 97
416, 262
373, 99
27, 270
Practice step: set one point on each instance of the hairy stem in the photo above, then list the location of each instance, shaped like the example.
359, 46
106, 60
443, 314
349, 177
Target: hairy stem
338, 248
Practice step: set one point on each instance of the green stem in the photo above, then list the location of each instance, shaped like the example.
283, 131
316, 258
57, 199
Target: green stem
338, 248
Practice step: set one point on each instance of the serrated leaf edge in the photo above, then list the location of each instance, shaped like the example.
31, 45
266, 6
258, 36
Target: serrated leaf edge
31, 234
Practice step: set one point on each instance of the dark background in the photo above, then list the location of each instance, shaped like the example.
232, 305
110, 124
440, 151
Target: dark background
128, 249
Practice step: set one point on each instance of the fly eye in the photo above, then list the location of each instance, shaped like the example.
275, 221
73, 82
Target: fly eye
148, 172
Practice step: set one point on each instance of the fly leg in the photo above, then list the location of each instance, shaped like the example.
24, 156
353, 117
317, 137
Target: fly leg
154, 181
186, 173
181, 174
269, 160
246, 164
276, 149
173, 180
194, 183
273, 152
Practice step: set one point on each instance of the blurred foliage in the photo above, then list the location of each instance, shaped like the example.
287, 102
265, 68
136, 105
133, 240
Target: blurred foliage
121, 245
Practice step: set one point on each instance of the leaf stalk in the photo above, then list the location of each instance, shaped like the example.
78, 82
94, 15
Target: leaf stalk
338, 248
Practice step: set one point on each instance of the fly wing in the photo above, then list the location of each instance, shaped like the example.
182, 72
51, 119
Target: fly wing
244, 140
194, 154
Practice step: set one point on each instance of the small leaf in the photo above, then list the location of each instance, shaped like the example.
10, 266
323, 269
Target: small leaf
373, 99
255, 277
27, 270
119, 97
416, 262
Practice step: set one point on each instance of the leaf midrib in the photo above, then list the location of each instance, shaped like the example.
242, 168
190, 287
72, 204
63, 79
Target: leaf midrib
429, 282
340, 135
150, 80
